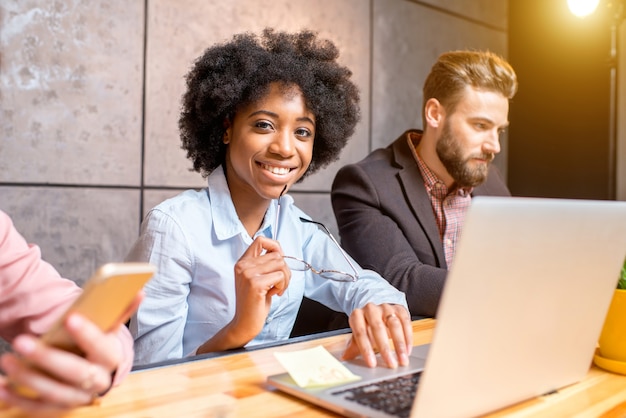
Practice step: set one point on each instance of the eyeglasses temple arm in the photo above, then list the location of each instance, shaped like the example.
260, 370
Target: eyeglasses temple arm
275, 235
343, 253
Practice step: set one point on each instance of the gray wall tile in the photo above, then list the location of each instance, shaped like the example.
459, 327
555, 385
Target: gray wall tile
490, 12
77, 229
71, 83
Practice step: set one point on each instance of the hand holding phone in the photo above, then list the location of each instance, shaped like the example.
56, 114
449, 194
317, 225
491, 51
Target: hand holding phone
105, 301
108, 299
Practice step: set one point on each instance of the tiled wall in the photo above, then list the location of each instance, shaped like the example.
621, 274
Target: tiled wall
89, 100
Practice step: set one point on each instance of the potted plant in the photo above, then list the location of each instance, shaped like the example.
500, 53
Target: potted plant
611, 353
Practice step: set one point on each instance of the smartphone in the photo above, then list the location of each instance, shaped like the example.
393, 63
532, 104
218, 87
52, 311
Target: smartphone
105, 301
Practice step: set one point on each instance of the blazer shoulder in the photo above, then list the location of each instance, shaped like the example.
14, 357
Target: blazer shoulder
396, 153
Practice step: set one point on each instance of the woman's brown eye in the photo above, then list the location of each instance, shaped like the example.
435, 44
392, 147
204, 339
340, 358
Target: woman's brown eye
303, 132
264, 125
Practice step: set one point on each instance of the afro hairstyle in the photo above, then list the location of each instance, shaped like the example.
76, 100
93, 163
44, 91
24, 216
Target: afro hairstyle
234, 74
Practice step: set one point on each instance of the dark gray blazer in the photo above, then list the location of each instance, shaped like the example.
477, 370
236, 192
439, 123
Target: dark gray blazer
387, 224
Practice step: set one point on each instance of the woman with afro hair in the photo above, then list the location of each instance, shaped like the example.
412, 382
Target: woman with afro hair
236, 258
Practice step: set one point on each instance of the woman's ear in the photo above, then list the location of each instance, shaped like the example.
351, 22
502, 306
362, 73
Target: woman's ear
227, 132
434, 113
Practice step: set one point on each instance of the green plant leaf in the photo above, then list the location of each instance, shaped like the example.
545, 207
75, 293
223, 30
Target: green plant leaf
621, 284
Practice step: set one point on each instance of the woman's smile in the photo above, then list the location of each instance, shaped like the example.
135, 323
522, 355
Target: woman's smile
280, 171
270, 145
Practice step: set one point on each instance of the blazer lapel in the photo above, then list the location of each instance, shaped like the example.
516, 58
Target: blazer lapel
417, 198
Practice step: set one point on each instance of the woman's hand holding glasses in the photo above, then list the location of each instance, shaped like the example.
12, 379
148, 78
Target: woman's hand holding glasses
260, 273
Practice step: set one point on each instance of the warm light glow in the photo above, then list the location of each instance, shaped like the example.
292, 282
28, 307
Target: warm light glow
582, 8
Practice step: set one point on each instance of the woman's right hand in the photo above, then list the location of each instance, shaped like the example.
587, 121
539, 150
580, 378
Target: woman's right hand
260, 273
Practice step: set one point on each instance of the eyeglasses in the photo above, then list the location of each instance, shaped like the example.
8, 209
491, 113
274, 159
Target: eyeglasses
297, 264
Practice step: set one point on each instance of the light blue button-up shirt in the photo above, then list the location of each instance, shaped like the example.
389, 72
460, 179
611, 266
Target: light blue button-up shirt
195, 239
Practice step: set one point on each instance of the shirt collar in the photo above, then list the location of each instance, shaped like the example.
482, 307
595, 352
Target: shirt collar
433, 183
225, 219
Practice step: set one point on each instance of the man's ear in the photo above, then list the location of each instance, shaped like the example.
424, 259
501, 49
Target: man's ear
434, 113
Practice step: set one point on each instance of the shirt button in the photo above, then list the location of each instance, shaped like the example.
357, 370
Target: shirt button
448, 241
268, 320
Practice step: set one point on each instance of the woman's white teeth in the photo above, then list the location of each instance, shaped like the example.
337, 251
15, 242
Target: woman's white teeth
276, 170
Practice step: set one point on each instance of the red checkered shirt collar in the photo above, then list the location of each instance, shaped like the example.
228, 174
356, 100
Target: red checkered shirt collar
449, 207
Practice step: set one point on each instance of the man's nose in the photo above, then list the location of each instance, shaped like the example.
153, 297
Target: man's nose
492, 144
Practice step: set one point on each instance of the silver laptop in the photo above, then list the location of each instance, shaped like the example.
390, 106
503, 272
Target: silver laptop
520, 316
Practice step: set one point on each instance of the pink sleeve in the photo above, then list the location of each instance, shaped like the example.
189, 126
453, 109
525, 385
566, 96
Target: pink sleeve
33, 294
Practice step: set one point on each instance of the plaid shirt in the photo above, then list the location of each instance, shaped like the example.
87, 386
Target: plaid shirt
449, 207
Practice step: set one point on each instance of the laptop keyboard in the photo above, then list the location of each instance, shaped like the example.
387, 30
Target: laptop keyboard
393, 396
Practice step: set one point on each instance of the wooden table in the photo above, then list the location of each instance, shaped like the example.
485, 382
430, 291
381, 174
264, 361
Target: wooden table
234, 385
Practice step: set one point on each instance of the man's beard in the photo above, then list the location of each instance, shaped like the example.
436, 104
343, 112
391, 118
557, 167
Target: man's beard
451, 155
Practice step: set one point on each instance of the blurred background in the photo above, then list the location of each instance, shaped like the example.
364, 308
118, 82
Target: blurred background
90, 96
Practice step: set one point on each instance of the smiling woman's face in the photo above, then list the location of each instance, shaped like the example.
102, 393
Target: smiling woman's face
270, 144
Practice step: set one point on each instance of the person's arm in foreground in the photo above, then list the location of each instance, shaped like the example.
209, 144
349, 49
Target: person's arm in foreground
32, 297
55, 379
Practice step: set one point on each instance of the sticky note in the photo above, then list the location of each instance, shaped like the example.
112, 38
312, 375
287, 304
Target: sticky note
315, 367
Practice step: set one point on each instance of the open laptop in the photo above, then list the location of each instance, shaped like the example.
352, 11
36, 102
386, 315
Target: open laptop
520, 316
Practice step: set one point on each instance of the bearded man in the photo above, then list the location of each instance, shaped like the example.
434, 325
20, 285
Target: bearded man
400, 210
